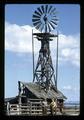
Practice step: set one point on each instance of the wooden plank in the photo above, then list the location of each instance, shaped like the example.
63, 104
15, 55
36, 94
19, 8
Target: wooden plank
36, 103
36, 110
36, 99
36, 106
20, 111
24, 106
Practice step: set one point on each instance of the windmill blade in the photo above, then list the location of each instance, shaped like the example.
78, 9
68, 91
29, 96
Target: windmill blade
34, 20
35, 16
46, 8
55, 12
53, 22
36, 23
55, 16
42, 27
42, 7
39, 14
51, 25
52, 11
49, 9
55, 19
40, 11
38, 26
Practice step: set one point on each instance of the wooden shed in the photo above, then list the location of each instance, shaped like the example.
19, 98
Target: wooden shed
32, 93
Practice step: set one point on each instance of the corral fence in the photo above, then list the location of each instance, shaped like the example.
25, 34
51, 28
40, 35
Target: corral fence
30, 108
35, 108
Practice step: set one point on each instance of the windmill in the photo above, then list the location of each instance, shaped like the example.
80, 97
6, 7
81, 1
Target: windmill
44, 85
45, 20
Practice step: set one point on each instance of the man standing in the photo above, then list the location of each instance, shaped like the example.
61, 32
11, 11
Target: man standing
53, 107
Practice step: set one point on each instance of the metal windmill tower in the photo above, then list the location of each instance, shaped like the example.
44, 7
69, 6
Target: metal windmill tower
45, 20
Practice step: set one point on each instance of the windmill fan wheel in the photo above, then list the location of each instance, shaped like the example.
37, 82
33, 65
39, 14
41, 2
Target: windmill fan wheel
44, 18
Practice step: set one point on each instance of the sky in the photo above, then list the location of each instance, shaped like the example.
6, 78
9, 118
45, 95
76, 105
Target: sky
18, 48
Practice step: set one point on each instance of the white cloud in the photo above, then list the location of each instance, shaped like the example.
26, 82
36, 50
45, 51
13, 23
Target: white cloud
69, 49
68, 87
71, 92
71, 55
19, 39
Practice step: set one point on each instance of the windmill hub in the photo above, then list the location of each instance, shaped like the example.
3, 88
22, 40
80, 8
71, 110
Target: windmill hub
45, 18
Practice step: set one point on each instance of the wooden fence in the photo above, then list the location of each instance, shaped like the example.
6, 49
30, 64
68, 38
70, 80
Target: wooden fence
35, 108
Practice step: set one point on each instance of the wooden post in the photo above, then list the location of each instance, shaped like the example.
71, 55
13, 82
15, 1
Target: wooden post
30, 108
18, 109
19, 88
8, 108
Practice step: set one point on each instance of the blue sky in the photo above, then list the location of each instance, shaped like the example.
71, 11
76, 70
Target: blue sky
18, 49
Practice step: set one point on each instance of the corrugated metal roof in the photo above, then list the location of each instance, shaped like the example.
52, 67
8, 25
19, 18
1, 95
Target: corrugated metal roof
52, 93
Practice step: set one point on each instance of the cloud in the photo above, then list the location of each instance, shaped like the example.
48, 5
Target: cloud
71, 92
69, 49
19, 39
70, 88
71, 54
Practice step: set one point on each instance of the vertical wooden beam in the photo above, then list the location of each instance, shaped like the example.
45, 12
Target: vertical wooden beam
8, 108
30, 108
19, 87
